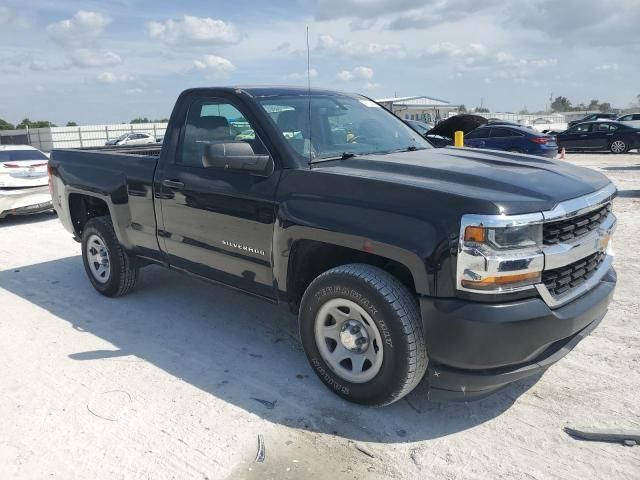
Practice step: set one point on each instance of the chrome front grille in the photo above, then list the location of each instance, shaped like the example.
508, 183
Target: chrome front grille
561, 280
577, 247
569, 229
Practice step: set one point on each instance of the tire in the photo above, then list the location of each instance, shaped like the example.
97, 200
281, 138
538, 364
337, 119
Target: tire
618, 146
368, 295
116, 276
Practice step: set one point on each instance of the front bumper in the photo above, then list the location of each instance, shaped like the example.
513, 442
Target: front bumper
477, 348
24, 200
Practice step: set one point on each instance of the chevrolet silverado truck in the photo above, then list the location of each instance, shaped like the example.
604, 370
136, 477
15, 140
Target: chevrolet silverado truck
471, 268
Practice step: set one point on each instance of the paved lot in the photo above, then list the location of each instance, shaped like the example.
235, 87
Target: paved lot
179, 378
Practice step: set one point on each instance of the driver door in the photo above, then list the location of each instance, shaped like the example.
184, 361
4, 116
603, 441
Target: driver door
218, 223
577, 137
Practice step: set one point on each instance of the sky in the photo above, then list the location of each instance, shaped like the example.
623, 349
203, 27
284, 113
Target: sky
106, 61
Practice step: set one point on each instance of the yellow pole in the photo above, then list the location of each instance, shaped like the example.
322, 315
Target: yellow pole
458, 138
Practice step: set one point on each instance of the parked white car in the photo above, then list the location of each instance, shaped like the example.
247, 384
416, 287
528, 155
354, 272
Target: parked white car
133, 138
23, 180
632, 119
545, 125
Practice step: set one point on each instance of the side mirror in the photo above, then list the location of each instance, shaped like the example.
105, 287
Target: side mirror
236, 156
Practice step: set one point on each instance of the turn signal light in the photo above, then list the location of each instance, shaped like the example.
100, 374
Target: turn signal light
475, 234
510, 280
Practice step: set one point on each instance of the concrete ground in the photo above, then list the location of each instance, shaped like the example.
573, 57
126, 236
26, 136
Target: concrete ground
178, 379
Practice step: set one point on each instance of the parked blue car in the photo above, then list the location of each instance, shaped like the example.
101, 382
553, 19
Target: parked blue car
512, 139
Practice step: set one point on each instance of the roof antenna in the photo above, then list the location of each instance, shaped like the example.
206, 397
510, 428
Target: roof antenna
309, 95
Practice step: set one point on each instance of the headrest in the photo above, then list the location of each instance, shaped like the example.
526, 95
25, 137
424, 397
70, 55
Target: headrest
288, 121
211, 122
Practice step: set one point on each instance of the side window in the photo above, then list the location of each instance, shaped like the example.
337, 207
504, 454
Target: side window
499, 132
214, 121
478, 133
582, 128
606, 127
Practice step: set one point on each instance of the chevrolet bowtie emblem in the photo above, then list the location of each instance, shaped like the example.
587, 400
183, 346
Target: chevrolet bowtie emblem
603, 242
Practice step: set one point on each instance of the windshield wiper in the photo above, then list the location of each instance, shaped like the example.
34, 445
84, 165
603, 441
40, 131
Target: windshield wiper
343, 156
410, 148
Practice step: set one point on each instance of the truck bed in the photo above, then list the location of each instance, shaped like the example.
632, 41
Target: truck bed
143, 150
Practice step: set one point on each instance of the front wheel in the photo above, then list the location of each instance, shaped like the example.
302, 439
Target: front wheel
362, 333
107, 264
618, 146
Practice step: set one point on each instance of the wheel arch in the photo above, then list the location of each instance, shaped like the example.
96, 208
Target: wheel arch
301, 258
83, 207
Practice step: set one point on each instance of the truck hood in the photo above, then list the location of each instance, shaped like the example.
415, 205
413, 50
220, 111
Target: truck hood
500, 182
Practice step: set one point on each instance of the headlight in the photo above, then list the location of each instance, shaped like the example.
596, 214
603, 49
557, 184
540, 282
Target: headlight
506, 238
500, 253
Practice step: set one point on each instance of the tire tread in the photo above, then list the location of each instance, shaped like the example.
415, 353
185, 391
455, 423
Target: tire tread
128, 273
406, 307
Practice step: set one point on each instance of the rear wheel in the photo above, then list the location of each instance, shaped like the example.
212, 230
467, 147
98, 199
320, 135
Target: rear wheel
618, 146
362, 333
107, 264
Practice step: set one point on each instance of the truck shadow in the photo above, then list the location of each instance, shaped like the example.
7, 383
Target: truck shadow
239, 349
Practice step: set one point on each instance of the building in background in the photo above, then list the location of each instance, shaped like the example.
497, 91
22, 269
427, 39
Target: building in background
422, 108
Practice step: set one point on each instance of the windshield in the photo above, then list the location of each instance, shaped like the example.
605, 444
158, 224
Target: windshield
17, 155
340, 124
422, 128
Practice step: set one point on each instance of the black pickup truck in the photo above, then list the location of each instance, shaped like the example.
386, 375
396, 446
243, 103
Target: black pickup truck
477, 268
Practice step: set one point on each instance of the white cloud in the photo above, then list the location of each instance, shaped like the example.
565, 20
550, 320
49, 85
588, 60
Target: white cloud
608, 67
83, 26
313, 73
215, 66
358, 73
134, 91
84, 57
477, 57
10, 18
332, 9
110, 77
437, 12
190, 30
329, 44
453, 50
371, 86
576, 22
47, 66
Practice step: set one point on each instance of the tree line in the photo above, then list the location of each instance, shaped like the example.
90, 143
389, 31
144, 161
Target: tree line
26, 123
563, 104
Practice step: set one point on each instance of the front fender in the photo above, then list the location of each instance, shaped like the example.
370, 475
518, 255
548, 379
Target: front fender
408, 242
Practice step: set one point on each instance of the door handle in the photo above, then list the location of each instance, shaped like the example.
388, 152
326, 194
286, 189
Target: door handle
173, 184
585, 135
